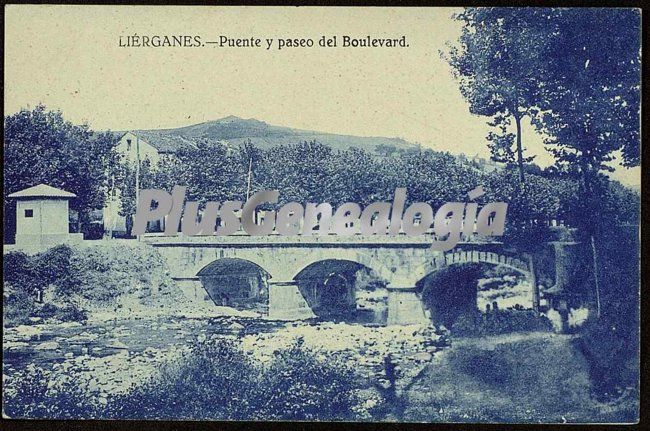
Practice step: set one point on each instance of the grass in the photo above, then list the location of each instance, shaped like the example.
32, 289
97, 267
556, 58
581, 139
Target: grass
512, 379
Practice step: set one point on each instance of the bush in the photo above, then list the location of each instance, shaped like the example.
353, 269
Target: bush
109, 270
17, 304
94, 276
542, 379
213, 381
25, 275
35, 395
64, 313
300, 387
500, 322
613, 355
54, 267
216, 381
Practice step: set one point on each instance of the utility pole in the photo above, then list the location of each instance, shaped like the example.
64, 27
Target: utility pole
137, 174
111, 198
248, 184
250, 174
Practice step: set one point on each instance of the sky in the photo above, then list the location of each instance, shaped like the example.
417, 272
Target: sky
69, 58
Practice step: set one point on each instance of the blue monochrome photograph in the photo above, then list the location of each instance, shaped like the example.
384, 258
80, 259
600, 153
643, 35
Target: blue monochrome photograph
413, 215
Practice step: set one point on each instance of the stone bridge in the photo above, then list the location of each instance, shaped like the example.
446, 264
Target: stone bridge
400, 261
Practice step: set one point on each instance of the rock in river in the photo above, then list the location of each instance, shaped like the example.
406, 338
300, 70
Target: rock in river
48, 345
117, 344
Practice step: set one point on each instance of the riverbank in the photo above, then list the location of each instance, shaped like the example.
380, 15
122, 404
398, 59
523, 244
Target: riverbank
520, 378
524, 377
105, 358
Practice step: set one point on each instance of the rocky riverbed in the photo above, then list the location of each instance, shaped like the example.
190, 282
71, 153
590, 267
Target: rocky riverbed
410, 348
111, 356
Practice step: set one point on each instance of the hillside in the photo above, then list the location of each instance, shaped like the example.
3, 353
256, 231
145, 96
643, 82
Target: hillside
234, 131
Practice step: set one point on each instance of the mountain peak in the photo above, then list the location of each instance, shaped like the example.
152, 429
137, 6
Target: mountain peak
236, 131
228, 119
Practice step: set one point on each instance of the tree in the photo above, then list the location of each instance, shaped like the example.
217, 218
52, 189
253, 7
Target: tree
249, 156
530, 208
360, 177
591, 92
431, 177
209, 170
497, 64
41, 147
303, 172
590, 102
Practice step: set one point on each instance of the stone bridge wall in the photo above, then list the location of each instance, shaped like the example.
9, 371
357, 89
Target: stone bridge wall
400, 261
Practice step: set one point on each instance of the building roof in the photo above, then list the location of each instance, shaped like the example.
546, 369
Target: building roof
163, 142
43, 191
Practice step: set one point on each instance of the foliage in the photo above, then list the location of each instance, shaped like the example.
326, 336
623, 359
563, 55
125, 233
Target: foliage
591, 100
530, 206
313, 172
215, 380
431, 177
516, 380
25, 275
496, 322
496, 61
300, 387
125, 181
210, 170
82, 278
17, 304
41, 147
35, 395
18, 269
591, 92
304, 172
611, 343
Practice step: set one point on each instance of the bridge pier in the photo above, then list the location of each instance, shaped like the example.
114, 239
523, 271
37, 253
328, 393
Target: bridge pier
286, 302
404, 307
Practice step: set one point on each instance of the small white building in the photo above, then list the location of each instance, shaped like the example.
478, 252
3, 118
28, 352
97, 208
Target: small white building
42, 217
143, 145
134, 146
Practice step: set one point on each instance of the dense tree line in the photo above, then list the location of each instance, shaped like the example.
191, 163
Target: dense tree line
40, 146
313, 172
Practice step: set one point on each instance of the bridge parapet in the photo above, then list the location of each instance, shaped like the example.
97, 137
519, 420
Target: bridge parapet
278, 240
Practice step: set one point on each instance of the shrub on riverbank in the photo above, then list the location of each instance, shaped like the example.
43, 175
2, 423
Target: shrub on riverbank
25, 276
110, 269
499, 322
215, 380
73, 279
218, 381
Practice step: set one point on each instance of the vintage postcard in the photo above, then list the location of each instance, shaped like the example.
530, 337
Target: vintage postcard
321, 214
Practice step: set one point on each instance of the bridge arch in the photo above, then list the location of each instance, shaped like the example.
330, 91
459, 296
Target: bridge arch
234, 281
342, 289
448, 291
227, 264
356, 256
445, 260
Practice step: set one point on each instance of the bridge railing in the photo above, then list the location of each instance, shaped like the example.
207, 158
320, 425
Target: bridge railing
274, 237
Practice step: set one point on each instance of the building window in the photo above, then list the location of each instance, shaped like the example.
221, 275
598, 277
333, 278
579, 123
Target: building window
29, 213
128, 144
